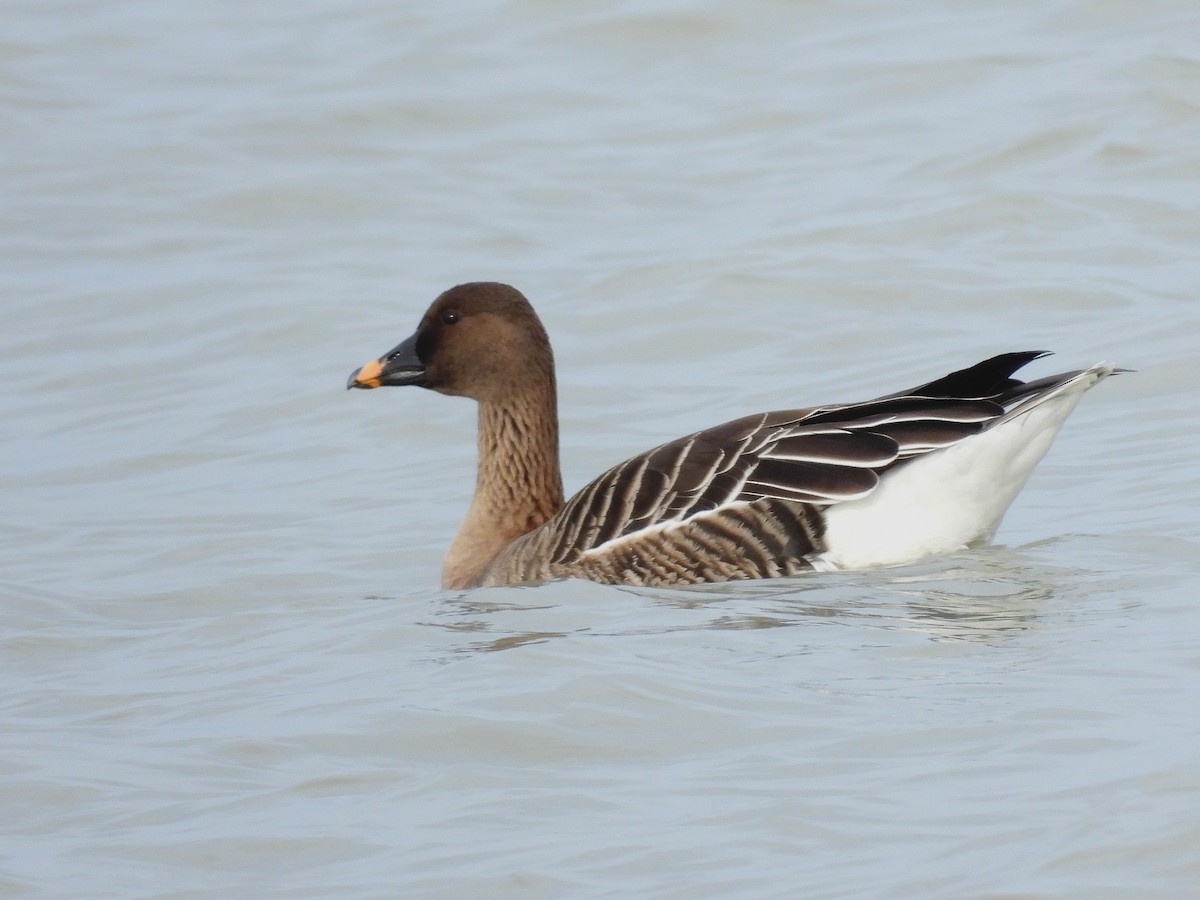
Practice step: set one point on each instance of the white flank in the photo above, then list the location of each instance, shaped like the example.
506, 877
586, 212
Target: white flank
950, 498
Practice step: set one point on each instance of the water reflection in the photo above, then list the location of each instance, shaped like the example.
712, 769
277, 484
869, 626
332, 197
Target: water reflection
986, 595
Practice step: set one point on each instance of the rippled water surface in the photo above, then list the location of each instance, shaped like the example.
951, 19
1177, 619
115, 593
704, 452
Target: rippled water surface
227, 668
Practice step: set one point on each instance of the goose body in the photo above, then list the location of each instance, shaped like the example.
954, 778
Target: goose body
881, 482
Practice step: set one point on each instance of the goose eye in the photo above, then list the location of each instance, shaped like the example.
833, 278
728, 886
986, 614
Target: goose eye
449, 317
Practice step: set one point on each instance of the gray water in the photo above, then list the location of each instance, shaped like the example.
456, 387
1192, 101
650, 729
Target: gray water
227, 668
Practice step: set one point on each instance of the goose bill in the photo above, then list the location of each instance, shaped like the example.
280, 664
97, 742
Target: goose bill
399, 366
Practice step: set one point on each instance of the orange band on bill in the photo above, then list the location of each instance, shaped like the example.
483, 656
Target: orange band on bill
368, 375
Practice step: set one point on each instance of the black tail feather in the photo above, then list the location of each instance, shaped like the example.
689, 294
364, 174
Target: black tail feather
985, 379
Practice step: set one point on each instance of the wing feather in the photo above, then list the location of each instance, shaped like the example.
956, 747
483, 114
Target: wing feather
834, 483
804, 459
840, 448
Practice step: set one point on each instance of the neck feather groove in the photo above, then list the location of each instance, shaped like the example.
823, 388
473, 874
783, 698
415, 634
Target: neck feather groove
518, 482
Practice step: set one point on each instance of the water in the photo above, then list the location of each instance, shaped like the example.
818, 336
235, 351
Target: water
227, 669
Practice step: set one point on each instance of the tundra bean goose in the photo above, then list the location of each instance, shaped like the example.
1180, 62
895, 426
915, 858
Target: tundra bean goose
881, 482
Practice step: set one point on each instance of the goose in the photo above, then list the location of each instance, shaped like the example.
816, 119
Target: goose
882, 482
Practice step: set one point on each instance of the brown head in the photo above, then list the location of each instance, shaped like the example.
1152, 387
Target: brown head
480, 340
